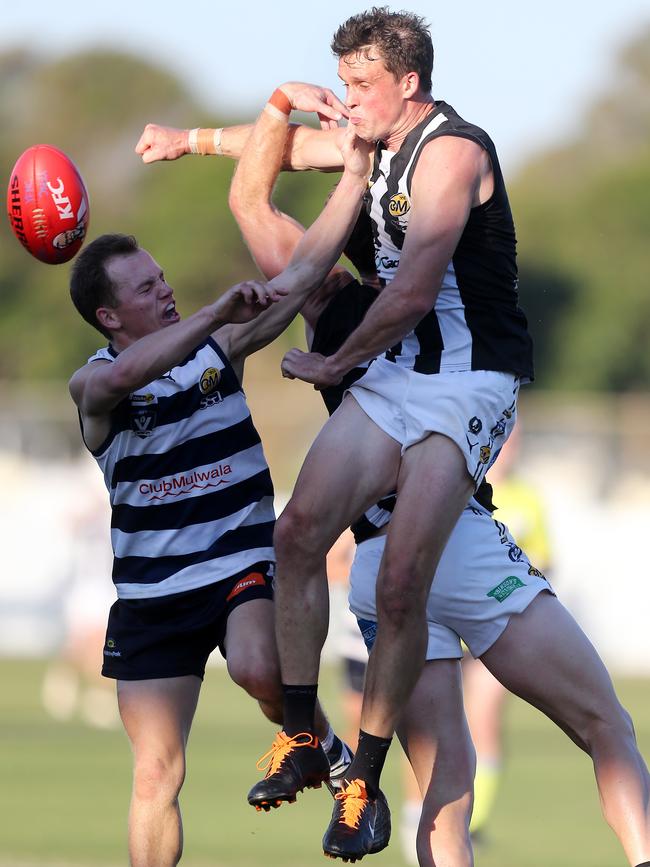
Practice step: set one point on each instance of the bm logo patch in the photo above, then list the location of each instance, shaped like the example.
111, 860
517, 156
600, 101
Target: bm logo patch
209, 380
398, 208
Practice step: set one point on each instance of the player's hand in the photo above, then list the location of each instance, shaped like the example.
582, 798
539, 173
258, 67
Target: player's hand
312, 97
162, 143
245, 301
310, 367
357, 154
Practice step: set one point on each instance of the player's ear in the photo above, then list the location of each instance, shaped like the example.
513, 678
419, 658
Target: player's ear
108, 318
411, 84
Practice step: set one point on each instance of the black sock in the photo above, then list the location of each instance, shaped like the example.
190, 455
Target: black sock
368, 761
299, 708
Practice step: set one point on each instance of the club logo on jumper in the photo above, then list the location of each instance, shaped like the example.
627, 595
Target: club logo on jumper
110, 650
144, 410
185, 483
398, 208
475, 425
484, 454
505, 588
255, 579
210, 379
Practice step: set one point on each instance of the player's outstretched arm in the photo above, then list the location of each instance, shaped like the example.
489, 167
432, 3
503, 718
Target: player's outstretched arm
98, 387
307, 148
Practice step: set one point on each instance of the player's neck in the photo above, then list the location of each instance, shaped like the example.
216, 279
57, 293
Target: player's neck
415, 111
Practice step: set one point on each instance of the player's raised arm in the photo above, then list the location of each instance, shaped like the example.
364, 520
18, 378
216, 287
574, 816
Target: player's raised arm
308, 257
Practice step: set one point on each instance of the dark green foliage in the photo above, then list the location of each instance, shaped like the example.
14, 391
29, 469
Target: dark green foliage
583, 222
582, 216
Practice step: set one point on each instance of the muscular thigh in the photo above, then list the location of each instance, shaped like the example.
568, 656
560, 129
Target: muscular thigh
250, 639
544, 657
433, 489
351, 464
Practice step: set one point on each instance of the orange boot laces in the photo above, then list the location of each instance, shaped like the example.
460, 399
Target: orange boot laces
355, 800
283, 746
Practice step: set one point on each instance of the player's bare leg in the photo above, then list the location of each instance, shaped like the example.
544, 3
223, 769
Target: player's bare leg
484, 705
157, 715
433, 489
434, 733
544, 657
251, 655
351, 465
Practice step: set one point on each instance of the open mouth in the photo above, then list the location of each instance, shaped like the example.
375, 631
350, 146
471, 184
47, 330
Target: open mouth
170, 313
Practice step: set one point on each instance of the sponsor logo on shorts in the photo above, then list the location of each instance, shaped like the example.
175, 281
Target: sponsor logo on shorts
505, 588
475, 425
368, 631
254, 579
110, 650
484, 454
535, 572
499, 429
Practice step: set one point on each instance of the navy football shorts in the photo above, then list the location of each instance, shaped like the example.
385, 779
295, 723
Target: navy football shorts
173, 636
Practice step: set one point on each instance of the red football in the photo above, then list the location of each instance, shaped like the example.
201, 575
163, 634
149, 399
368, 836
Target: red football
47, 204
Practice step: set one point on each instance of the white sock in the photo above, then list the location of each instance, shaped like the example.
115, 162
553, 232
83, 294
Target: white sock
328, 741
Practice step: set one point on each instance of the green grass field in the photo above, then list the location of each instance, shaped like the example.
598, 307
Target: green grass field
64, 788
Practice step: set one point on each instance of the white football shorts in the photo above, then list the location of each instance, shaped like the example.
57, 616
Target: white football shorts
477, 409
483, 578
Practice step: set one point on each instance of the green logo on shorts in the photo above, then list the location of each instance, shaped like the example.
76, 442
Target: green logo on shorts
505, 588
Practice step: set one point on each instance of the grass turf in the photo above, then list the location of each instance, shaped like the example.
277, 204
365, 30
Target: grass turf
65, 787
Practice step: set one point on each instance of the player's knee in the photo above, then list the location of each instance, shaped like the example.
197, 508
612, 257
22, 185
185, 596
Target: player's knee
158, 778
258, 676
397, 605
606, 725
296, 534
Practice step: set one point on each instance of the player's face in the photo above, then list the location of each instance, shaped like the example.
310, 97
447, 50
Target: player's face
145, 300
373, 95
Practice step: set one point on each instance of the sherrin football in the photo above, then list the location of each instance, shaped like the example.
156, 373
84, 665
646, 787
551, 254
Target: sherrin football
47, 204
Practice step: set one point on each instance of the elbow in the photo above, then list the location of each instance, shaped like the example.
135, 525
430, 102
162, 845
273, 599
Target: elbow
236, 199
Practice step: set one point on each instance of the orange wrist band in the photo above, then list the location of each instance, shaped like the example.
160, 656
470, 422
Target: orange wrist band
281, 101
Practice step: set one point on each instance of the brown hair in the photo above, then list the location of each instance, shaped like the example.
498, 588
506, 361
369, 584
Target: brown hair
402, 39
90, 285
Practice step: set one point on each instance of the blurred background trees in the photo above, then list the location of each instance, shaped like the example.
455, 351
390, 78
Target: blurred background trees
582, 215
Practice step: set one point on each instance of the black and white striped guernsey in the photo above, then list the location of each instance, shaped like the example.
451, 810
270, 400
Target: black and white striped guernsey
189, 486
476, 323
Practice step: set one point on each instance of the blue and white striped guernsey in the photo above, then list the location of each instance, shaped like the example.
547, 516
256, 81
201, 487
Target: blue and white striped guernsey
189, 486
